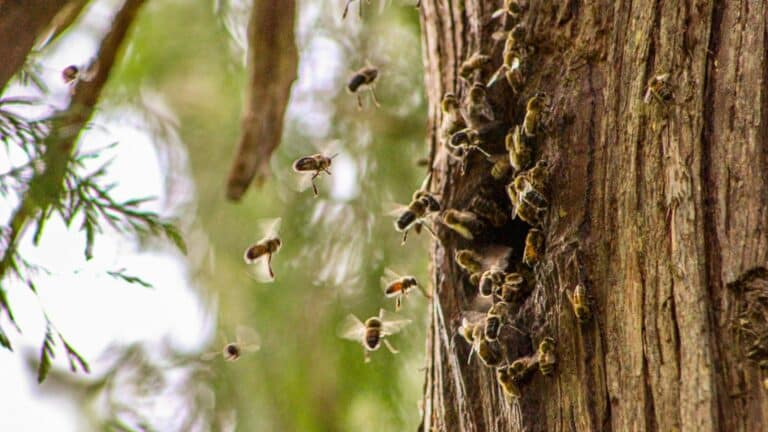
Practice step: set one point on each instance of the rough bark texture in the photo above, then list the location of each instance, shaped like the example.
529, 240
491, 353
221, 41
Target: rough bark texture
21, 22
661, 209
273, 61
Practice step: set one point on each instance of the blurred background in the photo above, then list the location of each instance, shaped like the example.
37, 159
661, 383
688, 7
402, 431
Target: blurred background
173, 106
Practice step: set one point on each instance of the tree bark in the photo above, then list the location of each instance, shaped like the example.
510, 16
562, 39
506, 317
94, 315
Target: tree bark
660, 209
21, 22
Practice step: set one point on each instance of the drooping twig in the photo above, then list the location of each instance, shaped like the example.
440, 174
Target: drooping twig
272, 63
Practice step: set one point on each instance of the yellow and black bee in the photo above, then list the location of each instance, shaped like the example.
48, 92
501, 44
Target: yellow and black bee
398, 287
546, 355
315, 165
259, 255
364, 78
246, 340
373, 332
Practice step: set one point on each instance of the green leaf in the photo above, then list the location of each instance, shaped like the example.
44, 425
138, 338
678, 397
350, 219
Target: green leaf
74, 358
130, 279
4, 341
46, 354
174, 235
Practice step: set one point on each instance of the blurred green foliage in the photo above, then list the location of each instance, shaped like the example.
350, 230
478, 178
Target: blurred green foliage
336, 246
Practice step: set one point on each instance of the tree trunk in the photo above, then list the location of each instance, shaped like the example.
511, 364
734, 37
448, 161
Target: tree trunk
659, 209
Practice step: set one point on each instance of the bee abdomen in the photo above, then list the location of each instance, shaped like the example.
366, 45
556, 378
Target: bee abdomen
255, 251
372, 340
492, 328
306, 163
405, 220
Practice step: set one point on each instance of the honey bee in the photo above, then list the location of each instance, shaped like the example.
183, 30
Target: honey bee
489, 352
546, 354
528, 200
658, 88
534, 243
364, 79
469, 260
513, 288
535, 107
462, 143
511, 8
488, 209
580, 304
246, 340
452, 120
465, 223
375, 331
490, 281
477, 107
423, 204
501, 167
521, 367
474, 278
398, 286
495, 319
520, 149
73, 74
515, 40
474, 64
69, 74
259, 254
315, 164
467, 329
508, 384
512, 69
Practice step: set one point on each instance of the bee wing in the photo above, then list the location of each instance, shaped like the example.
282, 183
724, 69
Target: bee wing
248, 338
498, 13
499, 35
352, 328
425, 184
270, 227
391, 323
390, 275
496, 76
394, 209
259, 270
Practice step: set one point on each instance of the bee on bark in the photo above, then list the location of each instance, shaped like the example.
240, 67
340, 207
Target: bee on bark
422, 206
364, 78
474, 278
511, 8
464, 223
508, 384
490, 281
463, 143
526, 192
452, 120
477, 107
489, 352
315, 165
515, 40
398, 287
258, 256
473, 65
513, 289
547, 357
501, 167
467, 330
495, 319
659, 89
373, 332
489, 209
534, 245
521, 150
512, 70
522, 367
580, 304
534, 110
246, 340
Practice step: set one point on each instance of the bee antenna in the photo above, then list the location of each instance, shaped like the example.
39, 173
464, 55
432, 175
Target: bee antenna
334, 155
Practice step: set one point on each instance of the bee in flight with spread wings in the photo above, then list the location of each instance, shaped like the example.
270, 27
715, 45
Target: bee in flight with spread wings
399, 286
373, 332
258, 256
315, 165
246, 340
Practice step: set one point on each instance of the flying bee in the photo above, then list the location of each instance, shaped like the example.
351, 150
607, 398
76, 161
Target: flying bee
508, 384
364, 79
490, 281
398, 286
546, 354
70, 73
513, 288
520, 149
495, 319
511, 8
315, 164
488, 209
73, 74
658, 88
580, 305
477, 107
464, 223
452, 120
259, 254
474, 64
375, 331
246, 340
535, 107
469, 260
423, 205
534, 244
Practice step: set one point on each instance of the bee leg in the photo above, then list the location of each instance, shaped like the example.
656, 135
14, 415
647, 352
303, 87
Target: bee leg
389, 346
359, 102
366, 356
485, 153
398, 303
346, 9
314, 186
360, 9
327, 171
375, 101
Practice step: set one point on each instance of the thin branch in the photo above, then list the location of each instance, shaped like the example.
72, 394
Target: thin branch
272, 68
